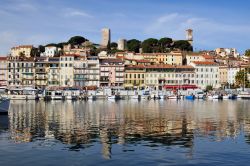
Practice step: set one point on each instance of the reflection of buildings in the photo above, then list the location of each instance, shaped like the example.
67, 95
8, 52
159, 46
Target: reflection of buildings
80, 124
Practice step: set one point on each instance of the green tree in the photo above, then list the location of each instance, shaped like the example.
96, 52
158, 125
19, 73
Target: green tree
60, 45
183, 45
134, 45
113, 45
34, 52
150, 45
209, 88
41, 48
241, 79
165, 44
247, 52
88, 44
51, 44
77, 40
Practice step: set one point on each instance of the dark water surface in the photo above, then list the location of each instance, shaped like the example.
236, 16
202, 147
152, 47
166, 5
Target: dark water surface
126, 133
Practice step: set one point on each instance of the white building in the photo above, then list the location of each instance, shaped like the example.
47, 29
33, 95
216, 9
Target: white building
232, 71
207, 73
50, 51
227, 52
24, 50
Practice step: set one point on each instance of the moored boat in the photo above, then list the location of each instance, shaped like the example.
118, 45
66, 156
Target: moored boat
173, 97
244, 95
4, 105
200, 95
190, 97
135, 97
225, 97
22, 94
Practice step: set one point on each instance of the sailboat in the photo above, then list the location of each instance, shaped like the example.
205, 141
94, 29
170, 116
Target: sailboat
244, 94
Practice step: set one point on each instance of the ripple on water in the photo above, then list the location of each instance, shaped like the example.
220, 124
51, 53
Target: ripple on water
126, 133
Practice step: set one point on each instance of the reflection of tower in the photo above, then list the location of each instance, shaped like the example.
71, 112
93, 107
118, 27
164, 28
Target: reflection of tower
106, 145
189, 36
105, 37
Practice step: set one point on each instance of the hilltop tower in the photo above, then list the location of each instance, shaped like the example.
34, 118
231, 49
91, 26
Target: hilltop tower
122, 44
189, 36
105, 37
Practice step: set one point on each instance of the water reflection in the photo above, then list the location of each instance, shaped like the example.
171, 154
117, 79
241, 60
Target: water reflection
80, 124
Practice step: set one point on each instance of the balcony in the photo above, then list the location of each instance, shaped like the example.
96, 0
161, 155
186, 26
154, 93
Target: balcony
40, 70
41, 78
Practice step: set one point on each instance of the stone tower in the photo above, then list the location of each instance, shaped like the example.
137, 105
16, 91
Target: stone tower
189, 36
105, 37
122, 44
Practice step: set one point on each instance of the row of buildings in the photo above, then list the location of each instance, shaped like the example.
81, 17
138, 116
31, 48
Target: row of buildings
123, 69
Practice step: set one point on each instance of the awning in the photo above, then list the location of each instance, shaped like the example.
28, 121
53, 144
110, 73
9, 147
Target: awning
180, 87
128, 85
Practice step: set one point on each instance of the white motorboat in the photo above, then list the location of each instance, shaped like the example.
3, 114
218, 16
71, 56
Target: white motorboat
56, 95
22, 94
112, 97
244, 95
210, 97
161, 97
225, 97
92, 97
135, 97
143, 97
53, 95
173, 97
215, 97
200, 95
68, 97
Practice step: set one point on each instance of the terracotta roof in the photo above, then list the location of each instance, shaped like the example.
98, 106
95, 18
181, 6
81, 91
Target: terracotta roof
71, 55
208, 57
135, 67
204, 63
142, 60
161, 66
111, 61
23, 46
3, 58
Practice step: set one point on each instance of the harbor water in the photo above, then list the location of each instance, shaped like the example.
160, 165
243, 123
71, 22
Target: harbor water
126, 132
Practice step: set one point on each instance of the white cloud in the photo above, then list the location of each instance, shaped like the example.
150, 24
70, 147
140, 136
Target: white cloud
19, 7
70, 12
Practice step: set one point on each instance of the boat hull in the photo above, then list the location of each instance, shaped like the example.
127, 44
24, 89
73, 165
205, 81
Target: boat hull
22, 97
4, 106
190, 97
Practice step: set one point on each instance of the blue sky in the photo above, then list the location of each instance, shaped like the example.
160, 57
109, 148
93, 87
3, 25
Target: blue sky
216, 23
